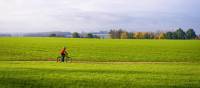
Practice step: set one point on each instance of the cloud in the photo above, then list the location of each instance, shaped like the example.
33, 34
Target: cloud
94, 15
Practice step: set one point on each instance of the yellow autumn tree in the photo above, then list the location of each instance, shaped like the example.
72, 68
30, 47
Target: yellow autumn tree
161, 36
138, 35
124, 35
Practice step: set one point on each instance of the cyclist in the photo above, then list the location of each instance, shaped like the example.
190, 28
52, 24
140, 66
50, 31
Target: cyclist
63, 53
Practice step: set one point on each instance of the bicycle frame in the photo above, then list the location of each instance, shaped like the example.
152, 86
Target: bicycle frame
67, 59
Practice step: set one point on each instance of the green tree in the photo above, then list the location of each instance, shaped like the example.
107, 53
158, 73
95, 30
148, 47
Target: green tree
130, 35
169, 35
75, 35
191, 34
146, 35
174, 35
180, 34
90, 35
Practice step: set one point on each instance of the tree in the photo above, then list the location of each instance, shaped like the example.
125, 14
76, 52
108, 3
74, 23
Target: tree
174, 35
90, 35
124, 35
180, 34
138, 35
75, 35
151, 35
157, 35
191, 34
130, 35
169, 35
162, 36
112, 33
116, 34
141, 35
146, 35
133, 35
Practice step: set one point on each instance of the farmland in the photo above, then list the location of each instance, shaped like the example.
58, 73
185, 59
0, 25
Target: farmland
41, 49
99, 63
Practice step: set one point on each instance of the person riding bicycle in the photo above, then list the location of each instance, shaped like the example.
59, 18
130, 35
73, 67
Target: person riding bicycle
63, 53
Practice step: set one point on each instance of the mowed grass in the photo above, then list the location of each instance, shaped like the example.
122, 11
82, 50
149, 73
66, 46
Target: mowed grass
40, 49
44, 74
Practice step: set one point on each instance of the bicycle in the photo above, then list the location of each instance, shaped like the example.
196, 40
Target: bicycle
67, 58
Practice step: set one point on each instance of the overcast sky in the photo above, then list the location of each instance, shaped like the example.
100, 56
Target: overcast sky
95, 15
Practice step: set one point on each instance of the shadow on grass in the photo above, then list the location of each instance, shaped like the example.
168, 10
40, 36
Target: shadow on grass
98, 71
32, 78
78, 83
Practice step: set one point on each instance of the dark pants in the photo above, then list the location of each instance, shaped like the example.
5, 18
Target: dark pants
62, 57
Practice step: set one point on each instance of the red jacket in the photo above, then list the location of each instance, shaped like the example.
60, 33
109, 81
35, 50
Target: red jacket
63, 51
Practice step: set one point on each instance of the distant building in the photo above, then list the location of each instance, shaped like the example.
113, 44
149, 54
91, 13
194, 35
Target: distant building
68, 36
49, 34
5, 35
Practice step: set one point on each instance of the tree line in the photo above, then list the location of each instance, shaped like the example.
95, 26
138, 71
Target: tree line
88, 35
178, 34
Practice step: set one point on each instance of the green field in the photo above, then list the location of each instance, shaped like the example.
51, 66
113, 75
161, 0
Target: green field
34, 49
98, 75
99, 63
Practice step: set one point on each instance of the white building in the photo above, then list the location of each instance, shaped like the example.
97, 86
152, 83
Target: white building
103, 36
